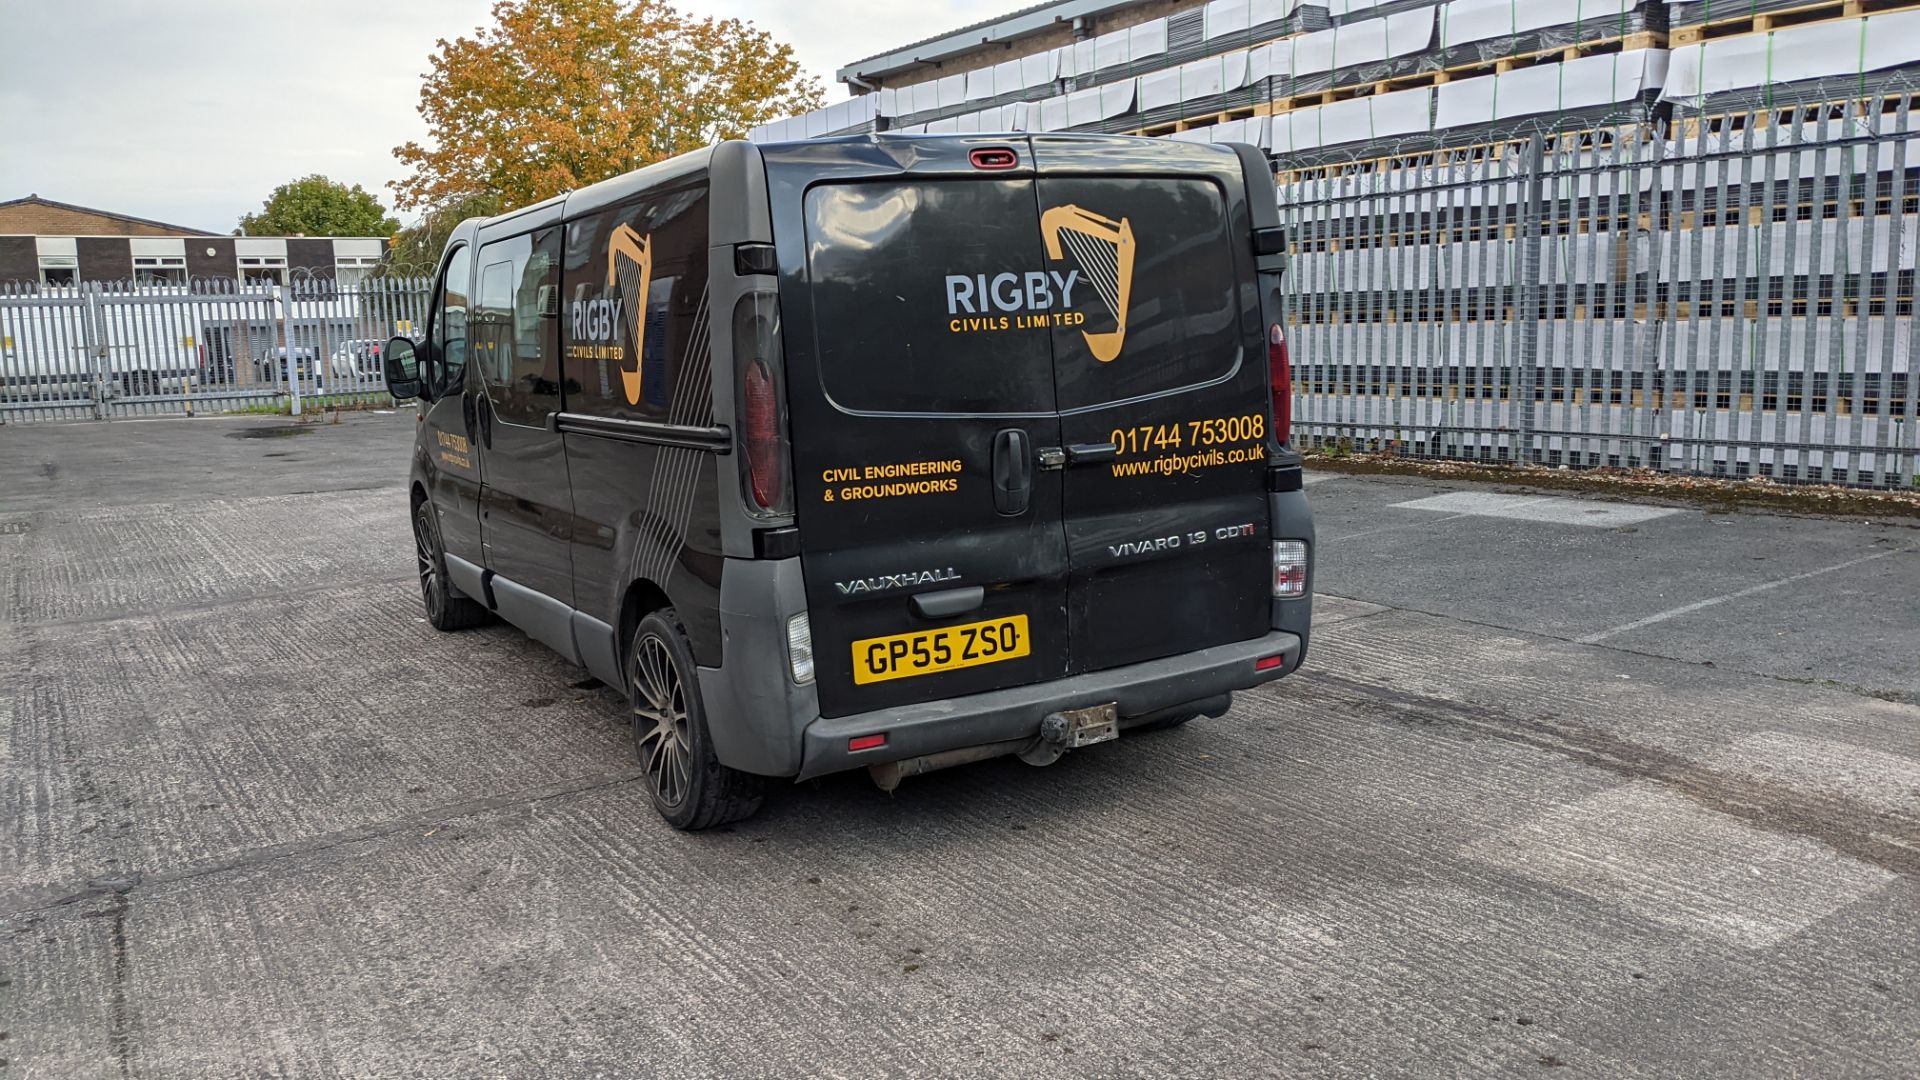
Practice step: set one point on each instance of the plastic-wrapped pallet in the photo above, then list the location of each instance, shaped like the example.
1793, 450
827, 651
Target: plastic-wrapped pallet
1225, 23
1479, 31
1359, 52
1694, 14
1342, 12
1601, 83
1764, 63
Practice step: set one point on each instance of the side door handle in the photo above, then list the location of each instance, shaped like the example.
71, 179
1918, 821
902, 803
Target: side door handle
1092, 453
1012, 471
1060, 457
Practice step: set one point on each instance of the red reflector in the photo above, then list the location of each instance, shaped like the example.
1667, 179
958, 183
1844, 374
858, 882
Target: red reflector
866, 742
994, 158
1268, 663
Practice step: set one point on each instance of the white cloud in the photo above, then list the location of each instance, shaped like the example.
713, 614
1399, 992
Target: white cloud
191, 112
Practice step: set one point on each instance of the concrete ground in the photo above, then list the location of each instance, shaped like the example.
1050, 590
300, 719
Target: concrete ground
1567, 788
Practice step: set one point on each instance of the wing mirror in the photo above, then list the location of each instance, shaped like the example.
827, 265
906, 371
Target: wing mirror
402, 362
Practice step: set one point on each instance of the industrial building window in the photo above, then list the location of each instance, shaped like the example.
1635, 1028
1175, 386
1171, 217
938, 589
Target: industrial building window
263, 269
160, 269
59, 270
350, 270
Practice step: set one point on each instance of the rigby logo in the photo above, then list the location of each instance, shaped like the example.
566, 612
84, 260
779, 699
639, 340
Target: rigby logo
1102, 251
597, 324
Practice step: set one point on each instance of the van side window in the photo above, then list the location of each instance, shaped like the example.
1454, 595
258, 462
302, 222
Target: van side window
513, 344
634, 348
449, 328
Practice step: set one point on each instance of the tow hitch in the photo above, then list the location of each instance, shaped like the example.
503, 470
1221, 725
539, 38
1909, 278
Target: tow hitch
1060, 732
1072, 729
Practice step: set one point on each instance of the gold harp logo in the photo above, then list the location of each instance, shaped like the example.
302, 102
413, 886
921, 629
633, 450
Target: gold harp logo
1103, 250
630, 268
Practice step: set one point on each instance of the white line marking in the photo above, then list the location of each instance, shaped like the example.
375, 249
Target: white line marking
1544, 508
1688, 609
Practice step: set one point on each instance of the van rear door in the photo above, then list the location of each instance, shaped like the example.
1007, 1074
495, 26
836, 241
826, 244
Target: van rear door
921, 389
1163, 397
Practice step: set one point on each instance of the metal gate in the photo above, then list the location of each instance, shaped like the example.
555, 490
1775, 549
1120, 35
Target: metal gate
1727, 292
101, 350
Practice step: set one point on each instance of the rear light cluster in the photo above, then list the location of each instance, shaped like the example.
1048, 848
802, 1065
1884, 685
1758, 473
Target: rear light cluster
1289, 569
760, 430
761, 409
1280, 382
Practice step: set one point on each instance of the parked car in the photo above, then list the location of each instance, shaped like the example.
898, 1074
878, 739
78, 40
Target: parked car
356, 359
272, 366
896, 452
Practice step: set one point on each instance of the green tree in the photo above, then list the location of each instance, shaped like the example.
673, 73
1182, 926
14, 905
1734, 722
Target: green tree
316, 206
557, 94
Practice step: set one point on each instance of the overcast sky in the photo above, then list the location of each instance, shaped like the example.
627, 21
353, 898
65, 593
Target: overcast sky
190, 111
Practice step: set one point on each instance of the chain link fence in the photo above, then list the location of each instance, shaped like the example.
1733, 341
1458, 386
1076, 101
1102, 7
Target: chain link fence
154, 347
1725, 290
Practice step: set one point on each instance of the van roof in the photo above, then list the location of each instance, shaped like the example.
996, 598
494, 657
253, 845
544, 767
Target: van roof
610, 191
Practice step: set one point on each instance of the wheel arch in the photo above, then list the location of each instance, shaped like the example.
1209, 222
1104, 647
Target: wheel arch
643, 597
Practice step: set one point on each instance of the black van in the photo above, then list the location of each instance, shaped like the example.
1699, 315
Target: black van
886, 451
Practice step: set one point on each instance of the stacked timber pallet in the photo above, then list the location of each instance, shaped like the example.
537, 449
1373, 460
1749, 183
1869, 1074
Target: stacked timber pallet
1718, 279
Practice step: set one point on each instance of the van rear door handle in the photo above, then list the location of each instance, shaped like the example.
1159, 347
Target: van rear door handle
1092, 453
949, 602
1012, 471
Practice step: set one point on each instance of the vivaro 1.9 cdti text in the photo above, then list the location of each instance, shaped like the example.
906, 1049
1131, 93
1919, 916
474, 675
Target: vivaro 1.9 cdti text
885, 451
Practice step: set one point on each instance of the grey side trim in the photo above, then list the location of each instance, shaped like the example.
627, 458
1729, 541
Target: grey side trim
755, 713
545, 620
599, 651
468, 578
714, 440
1292, 520
1139, 690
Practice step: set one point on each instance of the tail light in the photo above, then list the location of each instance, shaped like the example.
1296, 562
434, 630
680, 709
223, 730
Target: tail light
762, 433
1280, 381
761, 410
1289, 569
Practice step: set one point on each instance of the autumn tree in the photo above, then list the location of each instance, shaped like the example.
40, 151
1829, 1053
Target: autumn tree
561, 93
415, 251
316, 206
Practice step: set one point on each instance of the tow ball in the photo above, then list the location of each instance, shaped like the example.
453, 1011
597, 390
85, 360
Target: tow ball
1071, 730
1060, 732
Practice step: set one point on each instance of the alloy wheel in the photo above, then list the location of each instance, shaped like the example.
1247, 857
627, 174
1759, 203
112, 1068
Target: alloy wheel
660, 721
426, 565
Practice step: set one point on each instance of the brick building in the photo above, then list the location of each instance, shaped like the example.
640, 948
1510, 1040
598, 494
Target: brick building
55, 243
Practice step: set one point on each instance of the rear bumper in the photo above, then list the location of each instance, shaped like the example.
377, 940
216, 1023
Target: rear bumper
1139, 690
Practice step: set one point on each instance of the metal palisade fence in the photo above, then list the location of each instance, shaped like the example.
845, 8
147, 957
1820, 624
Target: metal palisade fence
156, 347
1720, 291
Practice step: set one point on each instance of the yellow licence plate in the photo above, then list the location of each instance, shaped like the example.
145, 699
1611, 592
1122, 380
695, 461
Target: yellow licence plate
949, 648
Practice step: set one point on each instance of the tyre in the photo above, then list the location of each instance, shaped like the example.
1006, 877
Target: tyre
1165, 722
690, 788
446, 608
